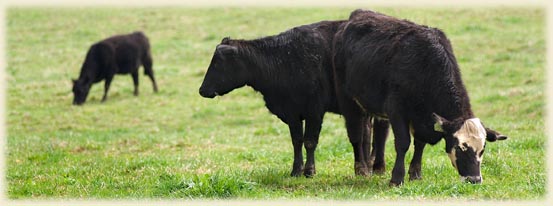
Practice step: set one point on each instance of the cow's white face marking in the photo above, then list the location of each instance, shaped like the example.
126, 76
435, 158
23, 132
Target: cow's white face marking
452, 157
472, 134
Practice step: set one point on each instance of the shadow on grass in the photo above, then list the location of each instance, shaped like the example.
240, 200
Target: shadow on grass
259, 182
273, 179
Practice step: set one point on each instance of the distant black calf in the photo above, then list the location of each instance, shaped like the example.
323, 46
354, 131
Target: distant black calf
120, 54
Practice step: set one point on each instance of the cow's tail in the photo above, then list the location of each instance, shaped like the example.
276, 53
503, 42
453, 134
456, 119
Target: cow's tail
147, 62
146, 57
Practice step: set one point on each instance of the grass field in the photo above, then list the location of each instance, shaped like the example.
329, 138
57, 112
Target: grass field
176, 144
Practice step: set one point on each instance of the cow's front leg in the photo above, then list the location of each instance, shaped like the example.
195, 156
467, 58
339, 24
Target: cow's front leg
296, 132
402, 141
415, 166
107, 83
311, 139
135, 81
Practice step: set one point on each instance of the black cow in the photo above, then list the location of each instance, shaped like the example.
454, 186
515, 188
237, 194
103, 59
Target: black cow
293, 71
407, 73
120, 54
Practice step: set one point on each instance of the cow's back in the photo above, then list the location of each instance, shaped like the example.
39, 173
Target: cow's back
128, 50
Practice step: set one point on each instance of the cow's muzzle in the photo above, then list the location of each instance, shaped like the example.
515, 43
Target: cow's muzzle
472, 179
207, 94
77, 103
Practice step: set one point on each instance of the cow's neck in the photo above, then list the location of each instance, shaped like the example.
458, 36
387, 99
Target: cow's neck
265, 77
261, 80
89, 70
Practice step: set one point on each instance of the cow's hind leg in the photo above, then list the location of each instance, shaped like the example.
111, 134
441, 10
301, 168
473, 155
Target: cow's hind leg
415, 166
380, 133
148, 70
107, 83
355, 125
366, 143
296, 131
135, 81
311, 139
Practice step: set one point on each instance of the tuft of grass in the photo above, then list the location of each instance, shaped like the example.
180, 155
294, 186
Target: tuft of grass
175, 144
201, 186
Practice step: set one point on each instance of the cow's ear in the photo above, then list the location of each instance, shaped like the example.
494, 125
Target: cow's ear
492, 136
355, 13
438, 122
226, 50
225, 40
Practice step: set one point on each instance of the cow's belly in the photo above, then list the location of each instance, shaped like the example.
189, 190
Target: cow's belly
286, 110
127, 67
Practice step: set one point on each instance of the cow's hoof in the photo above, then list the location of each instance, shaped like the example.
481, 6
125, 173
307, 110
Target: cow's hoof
361, 169
415, 172
415, 176
379, 169
309, 172
297, 171
296, 174
395, 184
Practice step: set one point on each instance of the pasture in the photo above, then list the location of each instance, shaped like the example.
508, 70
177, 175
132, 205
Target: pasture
176, 144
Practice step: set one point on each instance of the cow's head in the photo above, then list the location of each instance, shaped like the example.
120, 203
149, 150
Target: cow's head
80, 91
465, 144
226, 72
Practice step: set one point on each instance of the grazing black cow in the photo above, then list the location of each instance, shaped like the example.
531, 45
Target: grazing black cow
407, 73
121, 54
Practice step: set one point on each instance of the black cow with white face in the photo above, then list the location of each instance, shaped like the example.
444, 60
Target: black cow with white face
119, 54
407, 73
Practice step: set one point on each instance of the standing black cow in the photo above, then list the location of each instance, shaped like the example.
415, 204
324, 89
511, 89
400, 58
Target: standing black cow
293, 71
121, 54
407, 73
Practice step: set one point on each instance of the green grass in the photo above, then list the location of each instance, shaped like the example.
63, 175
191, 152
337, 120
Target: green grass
176, 144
